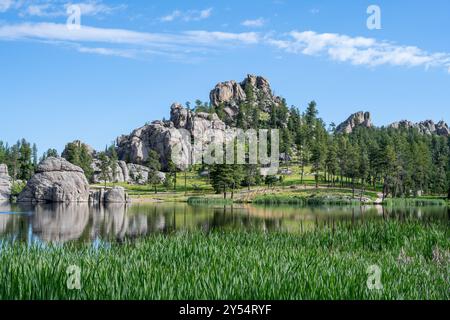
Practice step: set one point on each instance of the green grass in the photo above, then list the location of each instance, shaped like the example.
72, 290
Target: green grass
313, 197
326, 263
418, 202
208, 200
197, 187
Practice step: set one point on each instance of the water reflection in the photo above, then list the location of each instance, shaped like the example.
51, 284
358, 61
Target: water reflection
62, 223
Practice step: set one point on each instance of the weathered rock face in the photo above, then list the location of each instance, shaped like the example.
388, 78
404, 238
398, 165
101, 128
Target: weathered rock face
358, 119
139, 174
5, 183
120, 175
113, 195
125, 173
116, 195
231, 94
56, 180
425, 127
164, 136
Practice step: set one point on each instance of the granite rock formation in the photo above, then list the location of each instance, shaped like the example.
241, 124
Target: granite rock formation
425, 127
5, 183
56, 180
231, 94
357, 119
112, 195
164, 136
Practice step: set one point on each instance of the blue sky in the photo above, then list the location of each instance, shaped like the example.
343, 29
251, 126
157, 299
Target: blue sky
131, 60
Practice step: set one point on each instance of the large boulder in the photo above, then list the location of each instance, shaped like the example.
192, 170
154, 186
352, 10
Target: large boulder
113, 195
358, 119
5, 183
56, 180
116, 195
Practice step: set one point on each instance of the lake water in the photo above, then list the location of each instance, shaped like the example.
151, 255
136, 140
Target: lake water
115, 223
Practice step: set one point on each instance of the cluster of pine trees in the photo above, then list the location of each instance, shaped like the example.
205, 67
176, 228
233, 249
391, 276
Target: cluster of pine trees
78, 154
400, 162
21, 159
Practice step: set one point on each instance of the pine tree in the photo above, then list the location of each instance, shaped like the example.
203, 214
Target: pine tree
79, 155
331, 162
104, 167
226, 177
154, 165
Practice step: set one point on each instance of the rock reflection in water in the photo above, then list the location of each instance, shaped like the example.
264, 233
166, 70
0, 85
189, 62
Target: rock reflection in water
61, 223
5, 219
112, 221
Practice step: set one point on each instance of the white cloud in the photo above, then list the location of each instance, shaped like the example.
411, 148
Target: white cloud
126, 43
190, 15
358, 50
214, 37
39, 10
58, 9
93, 8
60, 32
170, 17
107, 52
5, 5
254, 23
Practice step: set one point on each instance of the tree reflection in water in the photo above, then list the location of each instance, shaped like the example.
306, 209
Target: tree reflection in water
61, 223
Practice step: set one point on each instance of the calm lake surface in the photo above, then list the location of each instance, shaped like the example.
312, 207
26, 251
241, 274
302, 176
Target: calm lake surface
115, 223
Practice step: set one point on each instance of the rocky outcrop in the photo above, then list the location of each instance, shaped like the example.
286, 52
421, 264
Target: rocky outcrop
425, 127
139, 174
231, 94
125, 173
56, 180
120, 175
163, 136
113, 195
358, 119
5, 183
